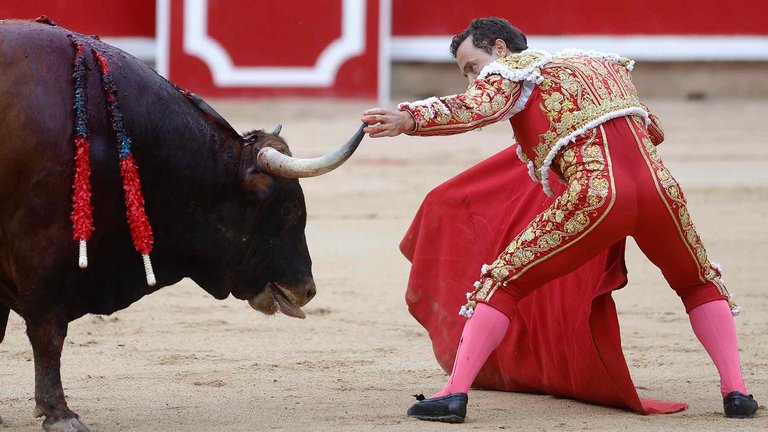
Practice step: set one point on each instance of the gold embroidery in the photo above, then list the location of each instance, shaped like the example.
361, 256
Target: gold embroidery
484, 102
521, 60
575, 213
578, 90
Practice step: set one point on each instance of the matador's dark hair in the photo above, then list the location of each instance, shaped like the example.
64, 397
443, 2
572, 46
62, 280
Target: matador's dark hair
485, 31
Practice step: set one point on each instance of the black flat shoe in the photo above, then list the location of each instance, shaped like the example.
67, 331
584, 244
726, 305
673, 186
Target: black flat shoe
738, 405
447, 409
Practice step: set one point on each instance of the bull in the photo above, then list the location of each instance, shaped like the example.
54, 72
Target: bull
227, 210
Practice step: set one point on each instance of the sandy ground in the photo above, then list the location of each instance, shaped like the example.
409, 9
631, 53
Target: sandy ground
183, 361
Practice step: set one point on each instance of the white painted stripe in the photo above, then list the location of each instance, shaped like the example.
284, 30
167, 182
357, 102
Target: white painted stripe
649, 48
143, 48
163, 32
385, 46
225, 73
435, 48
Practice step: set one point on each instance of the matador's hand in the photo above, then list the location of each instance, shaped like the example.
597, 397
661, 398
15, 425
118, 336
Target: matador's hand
383, 122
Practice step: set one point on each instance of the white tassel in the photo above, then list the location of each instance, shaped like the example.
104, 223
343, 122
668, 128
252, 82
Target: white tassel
83, 255
484, 269
151, 281
719, 268
532, 172
527, 162
536, 77
466, 311
545, 182
431, 103
735, 309
519, 152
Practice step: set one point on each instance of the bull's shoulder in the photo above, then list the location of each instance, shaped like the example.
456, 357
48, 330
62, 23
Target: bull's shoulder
211, 114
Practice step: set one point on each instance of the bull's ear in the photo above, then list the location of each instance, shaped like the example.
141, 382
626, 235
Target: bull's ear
260, 185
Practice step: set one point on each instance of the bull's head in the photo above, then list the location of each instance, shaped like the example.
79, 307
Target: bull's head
272, 266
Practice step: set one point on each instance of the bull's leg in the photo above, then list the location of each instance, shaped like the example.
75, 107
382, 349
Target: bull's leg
47, 338
4, 312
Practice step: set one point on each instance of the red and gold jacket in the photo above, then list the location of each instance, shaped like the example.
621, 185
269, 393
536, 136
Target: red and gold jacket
549, 99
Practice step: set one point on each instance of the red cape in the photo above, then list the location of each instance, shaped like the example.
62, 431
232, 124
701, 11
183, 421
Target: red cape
564, 339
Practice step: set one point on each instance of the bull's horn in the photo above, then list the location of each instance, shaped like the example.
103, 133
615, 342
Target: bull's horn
277, 130
274, 162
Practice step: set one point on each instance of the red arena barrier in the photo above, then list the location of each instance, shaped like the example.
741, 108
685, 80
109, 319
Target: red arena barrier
343, 48
234, 48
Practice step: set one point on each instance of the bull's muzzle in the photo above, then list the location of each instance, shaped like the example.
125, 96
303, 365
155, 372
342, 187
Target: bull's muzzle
286, 299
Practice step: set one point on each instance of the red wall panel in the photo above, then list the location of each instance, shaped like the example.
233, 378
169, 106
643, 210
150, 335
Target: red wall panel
104, 18
412, 18
588, 17
293, 34
277, 34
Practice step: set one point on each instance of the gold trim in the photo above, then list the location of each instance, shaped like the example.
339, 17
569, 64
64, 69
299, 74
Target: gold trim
592, 226
613, 191
664, 200
705, 271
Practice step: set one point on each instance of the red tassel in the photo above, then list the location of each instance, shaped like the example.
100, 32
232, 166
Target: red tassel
82, 210
141, 231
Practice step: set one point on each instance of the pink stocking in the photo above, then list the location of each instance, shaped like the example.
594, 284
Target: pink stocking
482, 334
713, 324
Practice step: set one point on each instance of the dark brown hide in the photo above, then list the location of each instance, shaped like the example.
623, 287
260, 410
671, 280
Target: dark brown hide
208, 224
4, 312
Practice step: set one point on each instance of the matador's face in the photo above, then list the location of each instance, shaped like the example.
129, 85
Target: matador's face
472, 60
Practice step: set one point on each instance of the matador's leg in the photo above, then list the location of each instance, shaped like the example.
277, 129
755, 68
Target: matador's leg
594, 212
668, 237
672, 243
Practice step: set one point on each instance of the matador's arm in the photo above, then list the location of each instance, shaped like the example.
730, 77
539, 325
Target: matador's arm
486, 101
655, 131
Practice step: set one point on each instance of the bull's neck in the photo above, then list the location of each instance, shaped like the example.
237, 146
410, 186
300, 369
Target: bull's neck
197, 162
191, 167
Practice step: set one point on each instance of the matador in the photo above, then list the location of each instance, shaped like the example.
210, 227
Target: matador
577, 119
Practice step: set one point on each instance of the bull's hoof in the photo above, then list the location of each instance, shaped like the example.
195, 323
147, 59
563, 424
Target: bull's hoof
72, 424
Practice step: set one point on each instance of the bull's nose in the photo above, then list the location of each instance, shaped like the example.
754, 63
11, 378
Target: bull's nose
309, 292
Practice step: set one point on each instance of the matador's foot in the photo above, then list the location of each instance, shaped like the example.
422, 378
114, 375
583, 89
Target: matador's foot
72, 424
738, 405
448, 409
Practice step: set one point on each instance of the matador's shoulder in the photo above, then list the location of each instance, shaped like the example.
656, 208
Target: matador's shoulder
518, 66
525, 59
